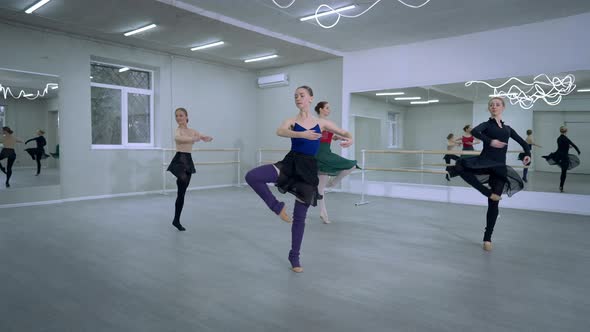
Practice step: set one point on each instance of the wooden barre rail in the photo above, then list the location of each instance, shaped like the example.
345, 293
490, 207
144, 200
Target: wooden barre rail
208, 150
211, 163
273, 150
405, 170
454, 152
513, 166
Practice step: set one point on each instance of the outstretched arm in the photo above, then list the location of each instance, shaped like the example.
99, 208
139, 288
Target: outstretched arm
333, 128
572, 144
202, 137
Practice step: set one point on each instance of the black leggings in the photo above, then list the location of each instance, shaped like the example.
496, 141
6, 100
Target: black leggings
38, 157
496, 187
182, 183
564, 166
11, 156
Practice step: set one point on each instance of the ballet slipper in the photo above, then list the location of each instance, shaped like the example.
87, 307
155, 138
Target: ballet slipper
487, 246
495, 197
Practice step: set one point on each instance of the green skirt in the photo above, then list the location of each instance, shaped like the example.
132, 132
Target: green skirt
330, 163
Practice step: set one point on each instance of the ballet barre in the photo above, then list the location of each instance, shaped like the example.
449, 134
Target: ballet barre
236, 161
421, 170
263, 150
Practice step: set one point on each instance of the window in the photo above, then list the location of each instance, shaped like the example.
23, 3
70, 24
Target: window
122, 106
2, 115
393, 129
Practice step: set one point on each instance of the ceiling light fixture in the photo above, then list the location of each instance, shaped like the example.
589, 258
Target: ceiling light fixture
124, 69
551, 90
147, 27
422, 102
584, 90
326, 13
408, 98
5, 91
202, 47
335, 11
36, 6
389, 93
261, 58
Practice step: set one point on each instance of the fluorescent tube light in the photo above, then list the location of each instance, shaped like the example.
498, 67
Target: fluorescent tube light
408, 98
36, 6
261, 58
389, 93
202, 47
147, 27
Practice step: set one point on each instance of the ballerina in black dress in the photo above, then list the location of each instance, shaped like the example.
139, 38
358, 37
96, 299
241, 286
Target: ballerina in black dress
38, 152
562, 157
490, 166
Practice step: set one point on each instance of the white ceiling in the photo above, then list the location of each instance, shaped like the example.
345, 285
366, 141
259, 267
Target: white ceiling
258, 27
389, 22
178, 30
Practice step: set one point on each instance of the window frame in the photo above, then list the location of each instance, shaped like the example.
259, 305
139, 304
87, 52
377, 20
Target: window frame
393, 129
125, 90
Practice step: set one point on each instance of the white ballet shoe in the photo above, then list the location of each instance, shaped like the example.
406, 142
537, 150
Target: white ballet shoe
325, 219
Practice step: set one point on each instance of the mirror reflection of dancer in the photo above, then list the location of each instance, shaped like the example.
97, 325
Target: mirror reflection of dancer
9, 141
182, 165
329, 163
468, 140
531, 142
490, 166
297, 173
562, 157
452, 142
38, 152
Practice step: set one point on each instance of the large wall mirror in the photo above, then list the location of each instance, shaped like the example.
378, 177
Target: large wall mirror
29, 115
421, 118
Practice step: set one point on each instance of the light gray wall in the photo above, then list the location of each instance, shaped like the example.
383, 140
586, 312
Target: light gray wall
215, 95
362, 106
274, 105
426, 127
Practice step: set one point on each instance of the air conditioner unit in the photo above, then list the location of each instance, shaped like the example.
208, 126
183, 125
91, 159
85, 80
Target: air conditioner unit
273, 81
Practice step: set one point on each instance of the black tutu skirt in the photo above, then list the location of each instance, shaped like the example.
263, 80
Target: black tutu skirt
571, 160
37, 153
483, 169
299, 176
182, 164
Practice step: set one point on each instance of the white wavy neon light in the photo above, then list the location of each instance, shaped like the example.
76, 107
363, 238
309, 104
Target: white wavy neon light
340, 15
5, 91
550, 90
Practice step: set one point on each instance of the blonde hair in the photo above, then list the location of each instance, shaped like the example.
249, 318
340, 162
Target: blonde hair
563, 129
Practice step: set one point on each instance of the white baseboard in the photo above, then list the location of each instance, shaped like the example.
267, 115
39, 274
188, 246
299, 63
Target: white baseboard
87, 198
525, 200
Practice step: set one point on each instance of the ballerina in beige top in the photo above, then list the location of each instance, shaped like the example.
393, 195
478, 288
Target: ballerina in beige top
8, 142
182, 165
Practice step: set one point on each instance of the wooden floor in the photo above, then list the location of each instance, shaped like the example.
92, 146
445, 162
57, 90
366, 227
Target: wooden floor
392, 265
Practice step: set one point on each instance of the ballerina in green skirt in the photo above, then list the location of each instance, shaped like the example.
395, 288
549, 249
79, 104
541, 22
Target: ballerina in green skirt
329, 163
